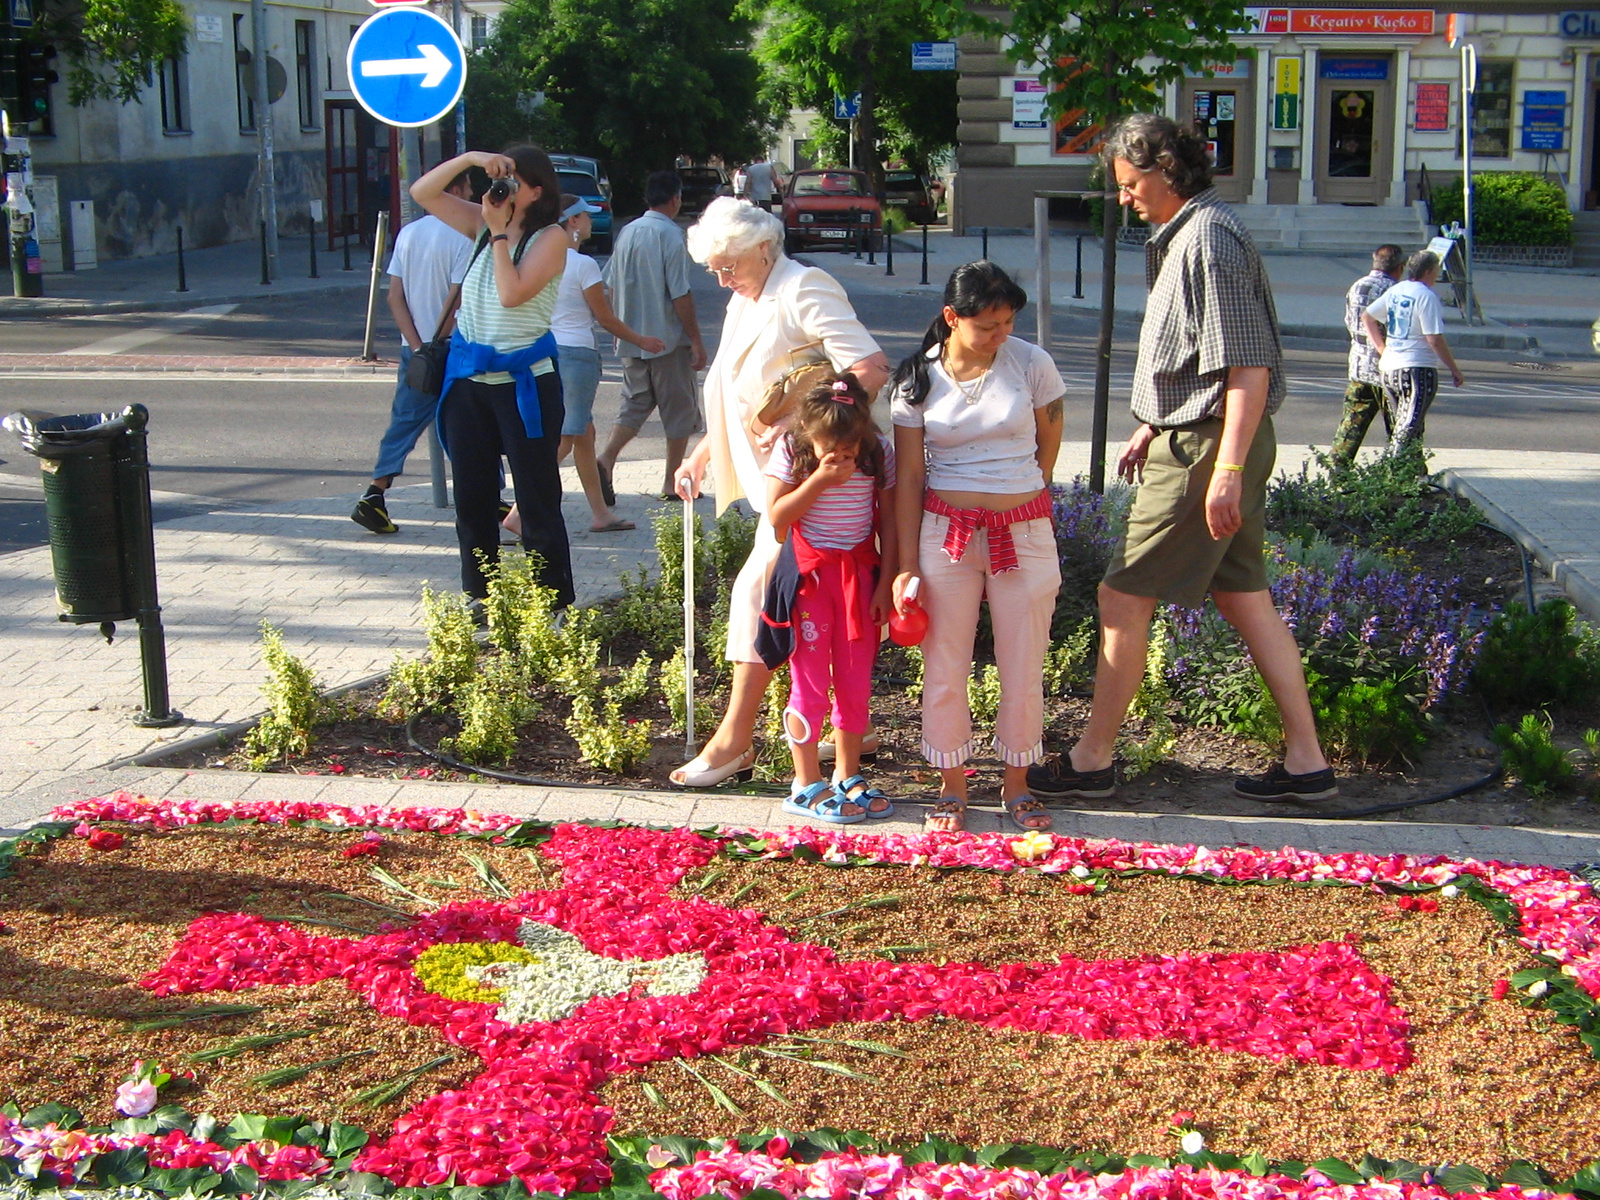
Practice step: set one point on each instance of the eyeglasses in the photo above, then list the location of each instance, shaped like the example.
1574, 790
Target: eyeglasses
723, 273
1127, 189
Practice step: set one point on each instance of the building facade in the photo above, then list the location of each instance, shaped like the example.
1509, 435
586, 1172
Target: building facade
1323, 106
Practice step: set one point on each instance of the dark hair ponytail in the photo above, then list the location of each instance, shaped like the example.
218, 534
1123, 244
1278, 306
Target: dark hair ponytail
971, 289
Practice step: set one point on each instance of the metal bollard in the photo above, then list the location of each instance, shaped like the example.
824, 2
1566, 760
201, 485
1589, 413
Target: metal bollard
856, 218
380, 241
183, 282
1077, 274
986, 243
266, 269
924, 254
872, 248
346, 241
314, 274
888, 251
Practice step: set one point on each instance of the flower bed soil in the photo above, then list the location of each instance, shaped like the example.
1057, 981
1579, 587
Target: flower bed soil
983, 989
1196, 778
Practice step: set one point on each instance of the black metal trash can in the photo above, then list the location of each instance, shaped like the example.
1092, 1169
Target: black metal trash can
96, 474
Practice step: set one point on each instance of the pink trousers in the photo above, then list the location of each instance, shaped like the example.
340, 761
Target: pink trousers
1021, 603
824, 655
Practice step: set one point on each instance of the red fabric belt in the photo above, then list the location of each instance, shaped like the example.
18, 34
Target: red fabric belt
964, 522
813, 560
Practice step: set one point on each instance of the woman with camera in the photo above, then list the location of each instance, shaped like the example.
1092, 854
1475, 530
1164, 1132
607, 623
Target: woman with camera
502, 394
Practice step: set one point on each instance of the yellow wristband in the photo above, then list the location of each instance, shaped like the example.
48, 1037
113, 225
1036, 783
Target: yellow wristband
1222, 466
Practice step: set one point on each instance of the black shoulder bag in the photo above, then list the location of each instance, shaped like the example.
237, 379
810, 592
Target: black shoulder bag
425, 371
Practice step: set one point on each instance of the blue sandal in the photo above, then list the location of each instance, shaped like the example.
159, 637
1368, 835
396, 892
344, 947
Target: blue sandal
821, 802
864, 797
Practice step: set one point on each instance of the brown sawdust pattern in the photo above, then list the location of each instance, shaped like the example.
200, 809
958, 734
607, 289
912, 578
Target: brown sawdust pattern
83, 926
1490, 1083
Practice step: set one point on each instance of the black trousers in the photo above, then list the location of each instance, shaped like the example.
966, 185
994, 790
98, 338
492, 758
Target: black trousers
481, 422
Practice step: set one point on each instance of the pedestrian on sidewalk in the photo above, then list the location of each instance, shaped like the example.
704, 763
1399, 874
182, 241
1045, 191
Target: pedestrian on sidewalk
580, 303
1208, 377
1363, 397
502, 393
763, 183
425, 272
783, 316
977, 427
648, 276
1406, 325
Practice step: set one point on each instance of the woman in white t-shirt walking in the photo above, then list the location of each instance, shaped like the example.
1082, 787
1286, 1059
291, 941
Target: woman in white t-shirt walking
977, 424
1406, 327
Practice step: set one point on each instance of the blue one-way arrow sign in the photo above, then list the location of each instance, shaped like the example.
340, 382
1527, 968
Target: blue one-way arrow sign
406, 67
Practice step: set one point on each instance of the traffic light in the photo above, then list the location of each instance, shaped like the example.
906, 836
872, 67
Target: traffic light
34, 77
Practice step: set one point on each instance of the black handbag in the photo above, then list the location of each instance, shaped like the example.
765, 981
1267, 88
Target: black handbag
425, 371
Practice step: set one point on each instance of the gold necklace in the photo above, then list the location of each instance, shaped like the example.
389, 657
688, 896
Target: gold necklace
969, 394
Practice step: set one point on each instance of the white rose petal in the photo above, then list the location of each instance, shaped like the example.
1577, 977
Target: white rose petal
1193, 1142
1081, 871
1538, 988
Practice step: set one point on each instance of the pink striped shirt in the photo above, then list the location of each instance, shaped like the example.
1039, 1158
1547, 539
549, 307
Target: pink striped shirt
841, 518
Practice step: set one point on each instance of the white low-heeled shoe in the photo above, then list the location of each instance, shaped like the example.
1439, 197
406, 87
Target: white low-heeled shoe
698, 773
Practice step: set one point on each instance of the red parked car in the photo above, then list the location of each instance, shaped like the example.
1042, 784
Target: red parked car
832, 208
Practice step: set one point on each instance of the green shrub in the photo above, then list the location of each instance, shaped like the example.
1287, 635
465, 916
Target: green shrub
294, 704
1152, 704
426, 684
673, 692
492, 705
1069, 663
1381, 502
1537, 658
613, 742
1531, 756
1509, 208
1371, 721
983, 694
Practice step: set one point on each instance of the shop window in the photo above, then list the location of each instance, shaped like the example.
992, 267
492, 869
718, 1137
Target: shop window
1491, 110
241, 78
480, 32
305, 44
174, 95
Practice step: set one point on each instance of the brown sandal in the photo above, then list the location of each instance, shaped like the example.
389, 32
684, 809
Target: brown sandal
950, 813
1027, 814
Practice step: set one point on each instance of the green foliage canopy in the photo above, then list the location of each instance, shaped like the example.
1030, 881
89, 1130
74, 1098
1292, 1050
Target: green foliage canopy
110, 47
1509, 208
634, 82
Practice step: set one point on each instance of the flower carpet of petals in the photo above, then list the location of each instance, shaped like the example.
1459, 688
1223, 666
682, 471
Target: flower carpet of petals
533, 1113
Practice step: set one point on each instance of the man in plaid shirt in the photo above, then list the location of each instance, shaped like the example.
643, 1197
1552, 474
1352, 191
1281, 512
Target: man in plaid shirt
1208, 378
1363, 398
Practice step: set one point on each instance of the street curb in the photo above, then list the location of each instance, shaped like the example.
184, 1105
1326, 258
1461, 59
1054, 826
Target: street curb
1582, 592
40, 307
198, 366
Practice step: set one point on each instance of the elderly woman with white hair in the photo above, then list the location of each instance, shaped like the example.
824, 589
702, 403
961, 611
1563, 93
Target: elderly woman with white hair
782, 316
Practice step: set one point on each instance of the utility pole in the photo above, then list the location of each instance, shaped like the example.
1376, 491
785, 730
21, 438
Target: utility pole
263, 101
461, 104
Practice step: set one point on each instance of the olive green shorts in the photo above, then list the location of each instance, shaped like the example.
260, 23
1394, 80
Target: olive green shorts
1167, 552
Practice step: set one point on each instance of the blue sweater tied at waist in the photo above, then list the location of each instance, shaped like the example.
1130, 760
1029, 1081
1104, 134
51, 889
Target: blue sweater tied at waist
474, 358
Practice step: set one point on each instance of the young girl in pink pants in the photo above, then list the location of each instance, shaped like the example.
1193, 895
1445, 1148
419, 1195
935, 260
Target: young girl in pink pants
831, 491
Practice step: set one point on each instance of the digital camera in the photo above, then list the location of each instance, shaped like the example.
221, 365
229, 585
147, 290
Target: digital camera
500, 189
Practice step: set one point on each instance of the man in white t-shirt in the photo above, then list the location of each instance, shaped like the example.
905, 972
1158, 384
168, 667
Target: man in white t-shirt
429, 262
1406, 327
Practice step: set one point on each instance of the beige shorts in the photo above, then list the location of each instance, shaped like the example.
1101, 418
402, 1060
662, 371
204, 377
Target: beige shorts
664, 385
1168, 553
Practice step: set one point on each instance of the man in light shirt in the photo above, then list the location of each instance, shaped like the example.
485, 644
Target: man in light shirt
762, 183
1406, 327
429, 262
1363, 397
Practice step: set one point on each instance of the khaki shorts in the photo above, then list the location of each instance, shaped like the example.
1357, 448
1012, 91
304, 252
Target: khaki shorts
666, 385
1168, 553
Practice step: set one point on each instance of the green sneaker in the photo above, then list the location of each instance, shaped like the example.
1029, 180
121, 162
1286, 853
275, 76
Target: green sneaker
370, 513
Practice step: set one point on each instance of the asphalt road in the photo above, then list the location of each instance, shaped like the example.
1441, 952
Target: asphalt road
259, 439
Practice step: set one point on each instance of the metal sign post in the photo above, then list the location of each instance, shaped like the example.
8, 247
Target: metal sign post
1469, 90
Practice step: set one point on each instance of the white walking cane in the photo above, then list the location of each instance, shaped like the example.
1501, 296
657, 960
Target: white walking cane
685, 488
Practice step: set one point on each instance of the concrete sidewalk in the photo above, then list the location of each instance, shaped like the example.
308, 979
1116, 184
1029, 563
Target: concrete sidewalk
349, 601
229, 274
1526, 308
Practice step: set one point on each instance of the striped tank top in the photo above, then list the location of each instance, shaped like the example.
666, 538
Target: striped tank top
483, 319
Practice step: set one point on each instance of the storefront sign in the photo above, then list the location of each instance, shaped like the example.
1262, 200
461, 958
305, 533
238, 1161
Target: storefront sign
1433, 108
1544, 120
1584, 26
1027, 104
1286, 92
1239, 69
1353, 68
1403, 22
933, 56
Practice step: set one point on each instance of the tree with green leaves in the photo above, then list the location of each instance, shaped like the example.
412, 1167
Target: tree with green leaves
637, 83
1109, 58
110, 47
820, 49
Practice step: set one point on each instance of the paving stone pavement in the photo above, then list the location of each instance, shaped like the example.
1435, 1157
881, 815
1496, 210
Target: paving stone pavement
349, 601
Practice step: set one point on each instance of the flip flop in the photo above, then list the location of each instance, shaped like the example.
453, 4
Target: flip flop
1023, 809
822, 802
608, 491
617, 526
948, 809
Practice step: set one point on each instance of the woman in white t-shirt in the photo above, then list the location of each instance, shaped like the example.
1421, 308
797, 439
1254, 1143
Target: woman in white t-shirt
1406, 327
977, 425
580, 302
